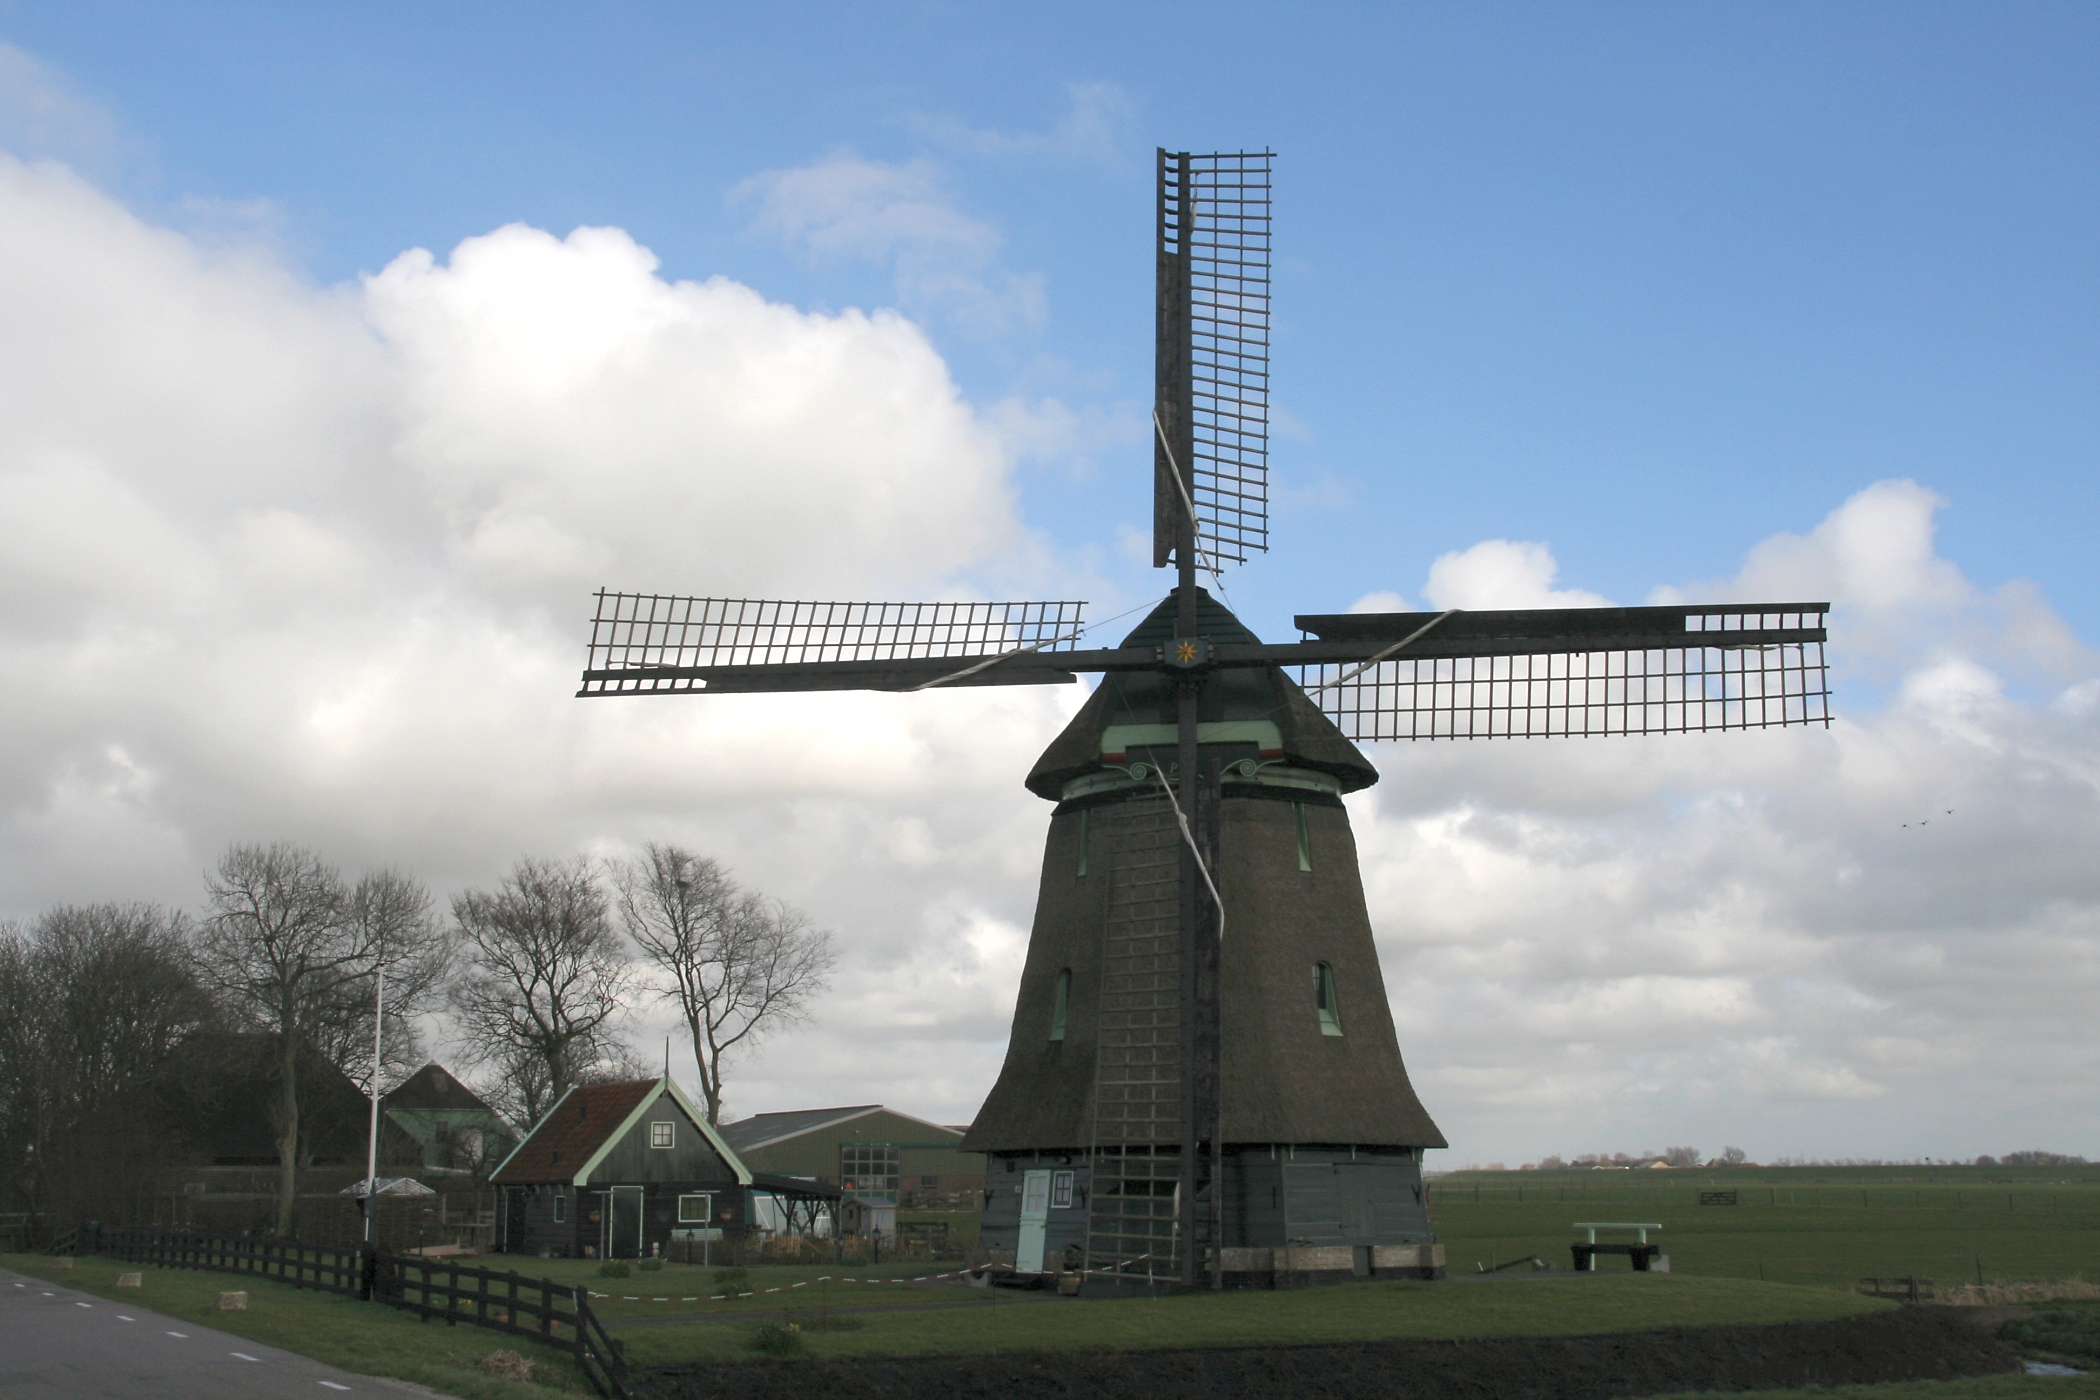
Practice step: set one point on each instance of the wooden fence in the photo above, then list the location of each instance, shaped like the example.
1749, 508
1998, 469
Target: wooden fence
542, 1310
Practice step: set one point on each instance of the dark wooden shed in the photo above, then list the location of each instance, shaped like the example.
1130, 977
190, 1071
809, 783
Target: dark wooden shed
613, 1170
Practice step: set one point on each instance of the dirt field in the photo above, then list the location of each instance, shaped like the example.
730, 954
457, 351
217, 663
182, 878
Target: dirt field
1908, 1344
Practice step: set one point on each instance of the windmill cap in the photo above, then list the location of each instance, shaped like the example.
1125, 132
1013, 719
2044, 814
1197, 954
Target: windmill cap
1254, 705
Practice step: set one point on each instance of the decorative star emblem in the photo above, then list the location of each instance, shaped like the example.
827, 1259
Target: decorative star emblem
1185, 652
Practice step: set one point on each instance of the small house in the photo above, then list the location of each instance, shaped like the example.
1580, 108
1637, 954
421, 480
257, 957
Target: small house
621, 1171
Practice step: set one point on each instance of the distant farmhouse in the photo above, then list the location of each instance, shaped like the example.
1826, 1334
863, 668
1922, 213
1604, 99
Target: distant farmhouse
456, 1130
625, 1171
880, 1160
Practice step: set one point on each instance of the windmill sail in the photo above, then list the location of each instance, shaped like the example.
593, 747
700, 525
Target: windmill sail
1572, 672
666, 644
1210, 449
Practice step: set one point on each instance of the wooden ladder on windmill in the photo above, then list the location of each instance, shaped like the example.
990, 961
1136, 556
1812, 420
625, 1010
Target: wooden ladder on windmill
1136, 1148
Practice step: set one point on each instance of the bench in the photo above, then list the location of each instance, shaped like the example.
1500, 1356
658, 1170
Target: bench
1641, 1253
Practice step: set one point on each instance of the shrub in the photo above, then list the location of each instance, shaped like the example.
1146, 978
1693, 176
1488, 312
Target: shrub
777, 1338
613, 1268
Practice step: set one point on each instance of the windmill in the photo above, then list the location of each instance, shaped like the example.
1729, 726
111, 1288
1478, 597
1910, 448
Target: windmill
1203, 1082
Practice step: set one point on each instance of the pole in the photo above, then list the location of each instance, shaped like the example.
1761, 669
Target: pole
372, 1141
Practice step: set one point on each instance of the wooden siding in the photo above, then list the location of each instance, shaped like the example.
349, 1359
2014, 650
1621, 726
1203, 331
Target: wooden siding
816, 1153
632, 1160
1285, 1082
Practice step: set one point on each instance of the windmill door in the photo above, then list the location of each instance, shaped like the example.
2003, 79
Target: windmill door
623, 1223
1035, 1221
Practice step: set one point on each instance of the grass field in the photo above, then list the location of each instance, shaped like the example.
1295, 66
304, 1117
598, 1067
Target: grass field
1828, 1226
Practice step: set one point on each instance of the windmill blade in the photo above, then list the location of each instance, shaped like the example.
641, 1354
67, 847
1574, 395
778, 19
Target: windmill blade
1211, 355
1569, 672
664, 644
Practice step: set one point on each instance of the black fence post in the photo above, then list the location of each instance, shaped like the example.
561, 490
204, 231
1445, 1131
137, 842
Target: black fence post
367, 1271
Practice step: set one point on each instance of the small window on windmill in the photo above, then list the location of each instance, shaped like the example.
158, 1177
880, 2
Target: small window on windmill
1304, 837
1064, 1004
1086, 823
1323, 999
663, 1134
1060, 1190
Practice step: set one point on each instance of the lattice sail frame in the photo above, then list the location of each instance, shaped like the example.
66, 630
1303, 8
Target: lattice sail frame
1570, 694
644, 632
1214, 232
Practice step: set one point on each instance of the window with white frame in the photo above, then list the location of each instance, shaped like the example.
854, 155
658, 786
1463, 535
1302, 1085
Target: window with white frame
663, 1134
561, 1208
695, 1209
1060, 1190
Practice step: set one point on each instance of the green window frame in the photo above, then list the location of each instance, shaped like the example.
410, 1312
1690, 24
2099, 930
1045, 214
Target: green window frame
1324, 1002
694, 1209
1064, 1004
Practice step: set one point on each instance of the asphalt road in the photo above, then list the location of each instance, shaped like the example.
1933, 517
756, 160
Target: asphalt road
60, 1343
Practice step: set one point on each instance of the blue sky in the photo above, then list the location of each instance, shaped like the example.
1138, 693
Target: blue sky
1765, 301
1647, 283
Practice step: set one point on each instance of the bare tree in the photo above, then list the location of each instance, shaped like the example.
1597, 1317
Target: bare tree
544, 982
97, 998
737, 963
280, 945
392, 913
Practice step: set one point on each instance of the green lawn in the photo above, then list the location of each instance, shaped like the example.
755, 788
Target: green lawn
366, 1338
1827, 1226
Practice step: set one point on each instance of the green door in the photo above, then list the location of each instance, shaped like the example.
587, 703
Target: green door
625, 1241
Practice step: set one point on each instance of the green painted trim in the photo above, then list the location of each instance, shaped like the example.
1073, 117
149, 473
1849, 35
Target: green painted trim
1262, 733
633, 1120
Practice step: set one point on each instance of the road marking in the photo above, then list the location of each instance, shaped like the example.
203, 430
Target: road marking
243, 1356
50, 1295
122, 1318
333, 1386
83, 1305
184, 1335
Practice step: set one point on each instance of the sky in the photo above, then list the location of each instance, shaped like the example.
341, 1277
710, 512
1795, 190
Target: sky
345, 350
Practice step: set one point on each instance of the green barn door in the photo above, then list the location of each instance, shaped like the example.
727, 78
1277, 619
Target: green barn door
1035, 1221
626, 1237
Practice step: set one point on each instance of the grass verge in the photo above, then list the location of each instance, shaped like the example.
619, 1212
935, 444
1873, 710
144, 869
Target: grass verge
368, 1338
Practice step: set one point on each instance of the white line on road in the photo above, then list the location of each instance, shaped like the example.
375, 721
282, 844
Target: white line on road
83, 1305
243, 1355
184, 1335
122, 1318
333, 1386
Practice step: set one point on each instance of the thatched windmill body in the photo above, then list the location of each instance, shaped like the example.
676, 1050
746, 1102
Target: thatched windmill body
1203, 1081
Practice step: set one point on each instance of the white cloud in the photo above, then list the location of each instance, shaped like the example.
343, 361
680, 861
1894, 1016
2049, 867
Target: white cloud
1880, 939
1502, 574
310, 563
845, 207
313, 563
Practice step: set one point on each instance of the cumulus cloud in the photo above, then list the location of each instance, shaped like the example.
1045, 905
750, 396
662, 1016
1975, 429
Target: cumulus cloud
313, 563
1502, 574
302, 562
1879, 939
897, 215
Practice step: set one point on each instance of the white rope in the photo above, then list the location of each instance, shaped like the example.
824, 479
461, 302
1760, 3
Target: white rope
1180, 486
1190, 837
991, 661
1352, 675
